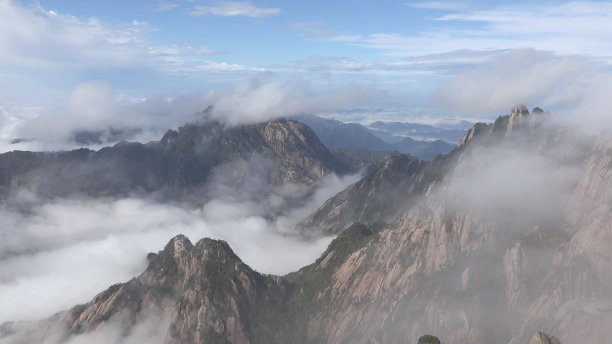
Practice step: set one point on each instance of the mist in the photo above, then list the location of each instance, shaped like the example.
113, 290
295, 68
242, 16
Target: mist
256, 100
498, 237
512, 177
573, 87
85, 244
94, 116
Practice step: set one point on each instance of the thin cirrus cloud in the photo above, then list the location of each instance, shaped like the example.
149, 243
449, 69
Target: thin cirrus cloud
164, 6
234, 8
568, 28
438, 5
445, 63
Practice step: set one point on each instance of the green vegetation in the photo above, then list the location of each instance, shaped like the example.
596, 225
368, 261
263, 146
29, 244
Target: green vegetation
428, 339
306, 291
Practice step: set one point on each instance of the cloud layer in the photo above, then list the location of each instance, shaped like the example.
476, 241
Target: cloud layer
234, 8
255, 100
572, 87
93, 108
85, 245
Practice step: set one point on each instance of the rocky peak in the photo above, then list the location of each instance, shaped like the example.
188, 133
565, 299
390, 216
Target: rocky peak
301, 148
543, 338
516, 115
519, 110
179, 252
399, 179
206, 293
169, 137
474, 131
506, 126
180, 244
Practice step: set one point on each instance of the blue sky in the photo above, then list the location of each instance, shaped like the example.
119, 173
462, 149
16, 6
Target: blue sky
403, 53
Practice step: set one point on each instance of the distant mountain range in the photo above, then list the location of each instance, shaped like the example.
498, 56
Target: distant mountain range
451, 133
380, 136
282, 151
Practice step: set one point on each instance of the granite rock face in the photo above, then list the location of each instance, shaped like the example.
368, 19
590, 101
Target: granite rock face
543, 338
204, 293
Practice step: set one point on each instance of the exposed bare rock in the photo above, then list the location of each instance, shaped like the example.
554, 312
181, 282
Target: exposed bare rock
476, 130
378, 197
304, 157
205, 291
543, 338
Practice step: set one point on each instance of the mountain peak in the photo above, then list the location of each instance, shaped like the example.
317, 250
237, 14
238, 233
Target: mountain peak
178, 245
519, 110
506, 125
543, 338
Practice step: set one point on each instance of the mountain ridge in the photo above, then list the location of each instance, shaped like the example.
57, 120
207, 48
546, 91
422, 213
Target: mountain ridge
439, 263
285, 151
335, 134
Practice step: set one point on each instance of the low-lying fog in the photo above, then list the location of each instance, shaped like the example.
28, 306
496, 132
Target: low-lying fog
62, 252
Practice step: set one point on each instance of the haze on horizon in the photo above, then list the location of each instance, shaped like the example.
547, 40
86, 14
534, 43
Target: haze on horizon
152, 64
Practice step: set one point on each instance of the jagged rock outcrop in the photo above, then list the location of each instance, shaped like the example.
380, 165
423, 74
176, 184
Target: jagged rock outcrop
393, 186
543, 338
205, 293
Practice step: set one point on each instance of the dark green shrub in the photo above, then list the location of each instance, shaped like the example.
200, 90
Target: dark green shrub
428, 339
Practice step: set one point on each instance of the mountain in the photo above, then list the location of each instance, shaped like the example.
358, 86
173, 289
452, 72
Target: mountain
505, 236
335, 134
284, 151
359, 158
449, 133
426, 150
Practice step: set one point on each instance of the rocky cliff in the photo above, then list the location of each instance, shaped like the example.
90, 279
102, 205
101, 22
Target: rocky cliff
507, 235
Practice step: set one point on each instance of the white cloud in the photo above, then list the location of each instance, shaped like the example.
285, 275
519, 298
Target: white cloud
151, 328
234, 8
574, 88
85, 245
314, 29
164, 6
523, 76
445, 63
37, 37
568, 28
254, 100
513, 179
438, 5
93, 107
211, 66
